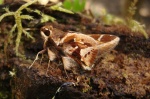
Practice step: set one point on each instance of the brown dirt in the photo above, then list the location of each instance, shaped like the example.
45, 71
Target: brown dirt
122, 73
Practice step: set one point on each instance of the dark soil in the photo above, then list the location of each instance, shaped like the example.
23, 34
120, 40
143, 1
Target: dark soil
121, 73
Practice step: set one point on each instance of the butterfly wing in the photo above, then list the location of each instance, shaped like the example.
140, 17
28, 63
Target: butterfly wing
89, 48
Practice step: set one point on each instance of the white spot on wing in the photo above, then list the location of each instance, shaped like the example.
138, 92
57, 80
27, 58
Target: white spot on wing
99, 39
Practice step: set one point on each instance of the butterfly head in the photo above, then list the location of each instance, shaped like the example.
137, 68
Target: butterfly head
46, 32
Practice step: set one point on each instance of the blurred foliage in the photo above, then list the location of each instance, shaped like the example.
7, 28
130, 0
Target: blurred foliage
134, 25
1, 1
110, 19
132, 9
61, 9
74, 5
5, 94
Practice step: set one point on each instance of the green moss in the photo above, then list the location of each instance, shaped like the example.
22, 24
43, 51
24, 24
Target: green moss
134, 25
18, 20
59, 8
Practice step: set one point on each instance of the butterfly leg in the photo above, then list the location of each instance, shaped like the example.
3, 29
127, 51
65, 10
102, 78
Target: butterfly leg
41, 59
66, 73
49, 61
37, 57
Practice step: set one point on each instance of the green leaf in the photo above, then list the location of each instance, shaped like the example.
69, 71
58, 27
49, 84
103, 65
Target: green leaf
79, 5
6, 9
74, 5
46, 18
59, 8
28, 17
67, 4
28, 35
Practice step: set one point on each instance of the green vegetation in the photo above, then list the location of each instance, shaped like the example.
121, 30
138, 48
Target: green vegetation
69, 6
18, 20
61, 9
1, 1
74, 5
134, 25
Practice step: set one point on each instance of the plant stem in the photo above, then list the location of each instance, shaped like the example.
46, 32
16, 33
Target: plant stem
19, 24
6, 14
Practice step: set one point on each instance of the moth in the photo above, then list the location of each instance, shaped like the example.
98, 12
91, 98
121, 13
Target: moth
75, 49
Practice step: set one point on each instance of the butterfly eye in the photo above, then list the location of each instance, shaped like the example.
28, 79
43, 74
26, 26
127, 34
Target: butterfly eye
47, 32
